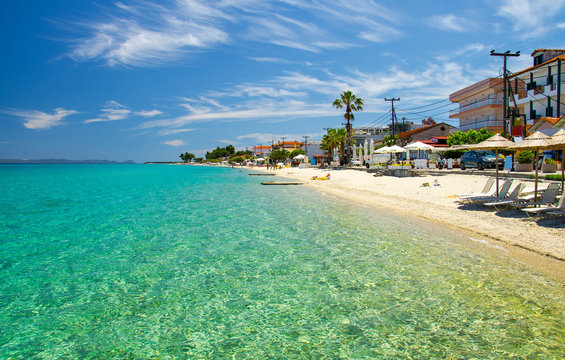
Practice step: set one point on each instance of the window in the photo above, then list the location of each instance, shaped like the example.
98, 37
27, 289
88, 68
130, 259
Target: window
538, 59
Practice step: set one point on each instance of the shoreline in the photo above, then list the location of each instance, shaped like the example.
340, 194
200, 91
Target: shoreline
522, 237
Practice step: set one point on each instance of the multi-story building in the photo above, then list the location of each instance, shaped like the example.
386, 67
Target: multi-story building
480, 105
537, 91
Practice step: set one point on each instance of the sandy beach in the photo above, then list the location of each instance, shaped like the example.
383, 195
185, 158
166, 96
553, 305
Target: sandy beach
438, 203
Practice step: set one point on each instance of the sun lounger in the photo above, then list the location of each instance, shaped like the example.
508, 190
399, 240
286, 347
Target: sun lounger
484, 192
548, 198
546, 208
484, 199
524, 200
512, 197
555, 212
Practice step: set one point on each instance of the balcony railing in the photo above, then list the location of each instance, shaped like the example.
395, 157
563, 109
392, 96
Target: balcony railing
475, 105
481, 124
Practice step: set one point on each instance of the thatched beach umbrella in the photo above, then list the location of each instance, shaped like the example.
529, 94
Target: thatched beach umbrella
495, 142
536, 142
557, 141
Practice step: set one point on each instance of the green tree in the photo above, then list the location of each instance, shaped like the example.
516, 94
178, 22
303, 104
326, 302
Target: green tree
219, 152
469, 137
187, 157
245, 153
388, 140
335, 138
236, 159
351, 103
279, 155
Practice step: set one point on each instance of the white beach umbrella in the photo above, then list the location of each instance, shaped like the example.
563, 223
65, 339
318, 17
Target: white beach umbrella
396, 149
299, 157
417, 145
371, 148
383, 150
354, 152
366, 150
259, 159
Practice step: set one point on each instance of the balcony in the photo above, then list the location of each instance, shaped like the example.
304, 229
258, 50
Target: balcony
475, 105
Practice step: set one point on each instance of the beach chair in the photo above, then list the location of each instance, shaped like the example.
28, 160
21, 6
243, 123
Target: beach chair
484, 199
484, 192
512, 197
548, 198
546, 208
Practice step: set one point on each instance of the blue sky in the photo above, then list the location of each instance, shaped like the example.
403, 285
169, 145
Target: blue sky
147, 80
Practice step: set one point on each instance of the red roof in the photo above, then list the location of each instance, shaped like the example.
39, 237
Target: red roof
434, 144
408, 133
562, 57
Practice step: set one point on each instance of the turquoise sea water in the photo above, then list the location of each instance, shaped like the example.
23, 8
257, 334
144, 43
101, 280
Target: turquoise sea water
182, 262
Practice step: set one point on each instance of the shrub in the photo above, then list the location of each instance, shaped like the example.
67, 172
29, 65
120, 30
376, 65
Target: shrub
453, 154
550, 161
525, 157
553, 177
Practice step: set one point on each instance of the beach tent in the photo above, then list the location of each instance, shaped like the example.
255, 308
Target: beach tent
495, 142
536, 142
557, 141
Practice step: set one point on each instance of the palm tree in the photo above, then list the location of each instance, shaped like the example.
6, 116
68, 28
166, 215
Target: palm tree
351, 103
335, 138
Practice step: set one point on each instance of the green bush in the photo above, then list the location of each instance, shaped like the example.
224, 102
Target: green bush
525, 157
550, 161
453, 154
553, 177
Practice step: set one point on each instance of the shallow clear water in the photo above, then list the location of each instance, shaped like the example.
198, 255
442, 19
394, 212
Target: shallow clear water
173, 262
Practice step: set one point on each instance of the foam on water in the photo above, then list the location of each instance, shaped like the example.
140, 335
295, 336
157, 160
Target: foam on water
111, 261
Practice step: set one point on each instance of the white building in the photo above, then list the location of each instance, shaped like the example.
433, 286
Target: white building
537, 91
480, 105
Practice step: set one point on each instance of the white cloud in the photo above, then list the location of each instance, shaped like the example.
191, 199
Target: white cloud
173, 131
450, 22
112, 111
148, 113
150, 33
530, 17
297, 95
37, 120
175, 143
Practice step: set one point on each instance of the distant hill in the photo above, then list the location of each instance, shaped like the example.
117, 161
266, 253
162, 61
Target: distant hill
62, 161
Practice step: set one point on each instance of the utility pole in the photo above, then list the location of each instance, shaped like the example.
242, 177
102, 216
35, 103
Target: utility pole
306, 144
505, 100
392, 115
283, 141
